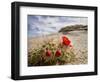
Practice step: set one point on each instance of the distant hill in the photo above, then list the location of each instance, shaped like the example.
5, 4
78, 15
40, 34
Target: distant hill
73, 27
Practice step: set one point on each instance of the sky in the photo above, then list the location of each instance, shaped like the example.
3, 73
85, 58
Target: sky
42, 25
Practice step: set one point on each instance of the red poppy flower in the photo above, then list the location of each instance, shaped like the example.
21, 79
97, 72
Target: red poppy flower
58, 53
48, 53
66, 41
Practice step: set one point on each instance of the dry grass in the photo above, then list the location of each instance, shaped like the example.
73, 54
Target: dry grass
78, 39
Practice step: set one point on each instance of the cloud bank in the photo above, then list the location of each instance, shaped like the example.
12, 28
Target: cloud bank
41, 25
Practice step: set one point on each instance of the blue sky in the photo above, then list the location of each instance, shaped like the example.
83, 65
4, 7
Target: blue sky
42, 25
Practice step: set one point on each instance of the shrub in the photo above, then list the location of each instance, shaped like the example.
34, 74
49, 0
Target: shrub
52, 53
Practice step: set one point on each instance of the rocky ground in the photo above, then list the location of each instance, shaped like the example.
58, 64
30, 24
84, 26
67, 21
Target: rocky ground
80, 44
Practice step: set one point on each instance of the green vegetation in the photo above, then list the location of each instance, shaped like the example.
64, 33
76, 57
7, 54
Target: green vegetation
51, 53
73, 28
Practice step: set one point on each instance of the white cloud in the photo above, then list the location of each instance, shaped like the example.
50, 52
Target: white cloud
51, 24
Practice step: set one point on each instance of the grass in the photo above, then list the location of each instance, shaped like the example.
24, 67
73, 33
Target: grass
38, 57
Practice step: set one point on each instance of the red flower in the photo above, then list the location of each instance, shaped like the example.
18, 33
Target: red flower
66, 41
58, 53
48, 53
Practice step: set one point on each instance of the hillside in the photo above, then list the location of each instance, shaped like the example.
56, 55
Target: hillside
73, 28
